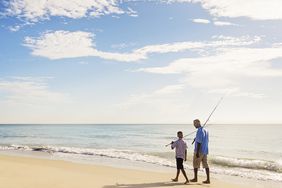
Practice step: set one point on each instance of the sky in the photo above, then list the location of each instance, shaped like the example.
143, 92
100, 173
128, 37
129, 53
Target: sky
140, 61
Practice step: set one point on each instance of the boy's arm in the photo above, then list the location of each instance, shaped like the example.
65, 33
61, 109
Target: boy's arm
172, 144
185, 155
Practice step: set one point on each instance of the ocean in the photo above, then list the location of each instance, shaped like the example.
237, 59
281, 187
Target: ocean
249, 151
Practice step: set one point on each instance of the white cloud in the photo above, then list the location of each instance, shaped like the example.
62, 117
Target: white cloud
161, 92
225, 69
236, 92
132, 12
65, 44
15, 28
201, 21
29, 91
62, 44
243, 61
34, 11
221, 23
170, 89
254, 9
157, 98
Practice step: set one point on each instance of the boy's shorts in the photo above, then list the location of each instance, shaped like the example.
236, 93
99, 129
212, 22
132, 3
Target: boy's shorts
179, 163
197, 161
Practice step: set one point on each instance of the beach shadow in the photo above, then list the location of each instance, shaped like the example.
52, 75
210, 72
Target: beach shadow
145, 185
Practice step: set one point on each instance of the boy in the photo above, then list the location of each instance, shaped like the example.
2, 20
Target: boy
180, 154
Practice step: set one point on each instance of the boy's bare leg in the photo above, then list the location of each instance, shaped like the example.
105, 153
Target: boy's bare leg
208, 176
184, 174
195, 179
177, 175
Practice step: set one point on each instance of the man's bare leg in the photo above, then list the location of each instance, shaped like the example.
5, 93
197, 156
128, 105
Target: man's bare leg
208, 176
195, 179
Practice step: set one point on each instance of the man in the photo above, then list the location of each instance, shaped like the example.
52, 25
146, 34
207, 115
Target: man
180, 155
201, 151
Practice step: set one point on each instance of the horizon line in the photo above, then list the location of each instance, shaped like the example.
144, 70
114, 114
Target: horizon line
137, 124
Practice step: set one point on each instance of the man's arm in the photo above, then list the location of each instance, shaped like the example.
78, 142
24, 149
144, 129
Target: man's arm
198, 149
185, 155
199, 140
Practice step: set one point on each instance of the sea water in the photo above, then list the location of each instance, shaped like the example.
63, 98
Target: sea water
250, 151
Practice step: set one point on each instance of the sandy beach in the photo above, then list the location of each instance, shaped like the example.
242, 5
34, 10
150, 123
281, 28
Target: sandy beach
140, 94
26, 172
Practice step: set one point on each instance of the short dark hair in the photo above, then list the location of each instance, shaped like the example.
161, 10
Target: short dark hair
179, 132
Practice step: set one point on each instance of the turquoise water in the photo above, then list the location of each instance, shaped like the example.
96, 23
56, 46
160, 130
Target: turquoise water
251, 151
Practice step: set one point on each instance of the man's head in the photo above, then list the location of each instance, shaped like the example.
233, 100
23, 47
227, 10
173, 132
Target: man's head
197, 123
179, 134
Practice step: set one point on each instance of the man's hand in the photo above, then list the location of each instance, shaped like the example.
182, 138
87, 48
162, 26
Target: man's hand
171, 142
185, 159
197, 155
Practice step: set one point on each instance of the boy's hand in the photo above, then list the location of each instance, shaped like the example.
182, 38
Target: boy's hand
171, 145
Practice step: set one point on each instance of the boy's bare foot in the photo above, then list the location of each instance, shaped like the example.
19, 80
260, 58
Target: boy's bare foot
194, 180
186, 182
206, 182
174, 180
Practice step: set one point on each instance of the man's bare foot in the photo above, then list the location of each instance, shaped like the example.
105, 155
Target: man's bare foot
186, 182
194, 180
174, 180
207, 182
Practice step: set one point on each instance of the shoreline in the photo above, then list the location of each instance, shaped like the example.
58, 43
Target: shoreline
116, 175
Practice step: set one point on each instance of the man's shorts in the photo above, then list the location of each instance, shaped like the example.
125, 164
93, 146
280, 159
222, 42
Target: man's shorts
197, 161
179, 163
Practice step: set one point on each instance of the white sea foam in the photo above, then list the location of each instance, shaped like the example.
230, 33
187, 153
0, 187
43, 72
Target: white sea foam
248, 163
15, 147
110, 153
249, 173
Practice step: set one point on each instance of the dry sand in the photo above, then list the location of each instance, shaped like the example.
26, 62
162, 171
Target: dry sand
25, 172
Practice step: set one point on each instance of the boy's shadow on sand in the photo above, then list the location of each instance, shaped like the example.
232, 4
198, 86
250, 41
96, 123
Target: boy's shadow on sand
146, 185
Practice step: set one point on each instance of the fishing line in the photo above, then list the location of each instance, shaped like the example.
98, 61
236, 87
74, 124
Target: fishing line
205, 121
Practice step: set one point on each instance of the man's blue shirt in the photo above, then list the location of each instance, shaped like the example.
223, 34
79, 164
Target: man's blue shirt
202, 137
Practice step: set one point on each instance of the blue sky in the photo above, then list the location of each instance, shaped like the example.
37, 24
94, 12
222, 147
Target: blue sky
144, 61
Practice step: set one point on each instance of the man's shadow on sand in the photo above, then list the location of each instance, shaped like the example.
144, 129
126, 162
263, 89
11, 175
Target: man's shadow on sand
147, 185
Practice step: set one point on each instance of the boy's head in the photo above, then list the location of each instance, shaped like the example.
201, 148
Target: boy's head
179, 134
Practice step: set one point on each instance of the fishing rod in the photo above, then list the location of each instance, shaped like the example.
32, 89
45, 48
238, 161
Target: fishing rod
205, 121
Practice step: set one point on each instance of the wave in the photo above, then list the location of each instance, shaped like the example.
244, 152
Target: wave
263, 175
15, 136
16, 147
155, 158
247, 163
110, 153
